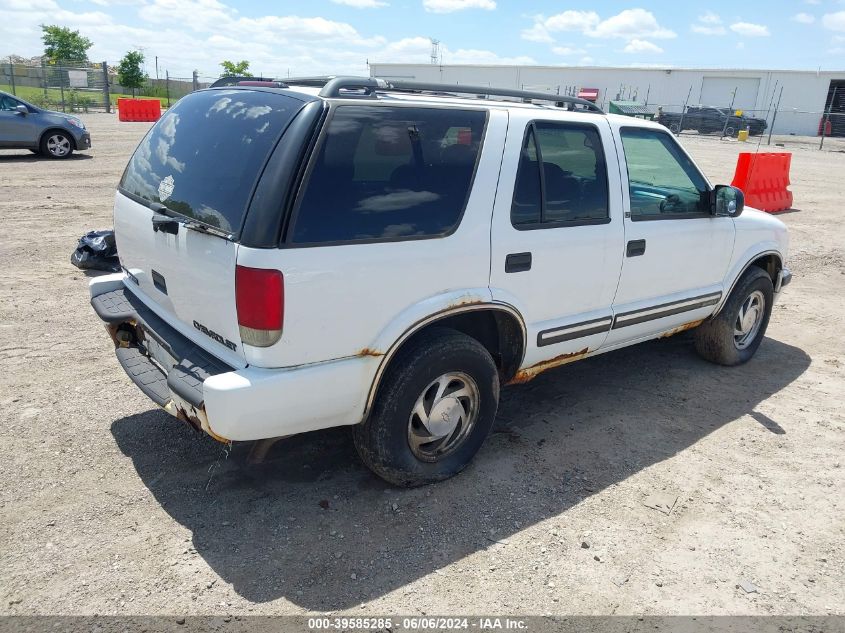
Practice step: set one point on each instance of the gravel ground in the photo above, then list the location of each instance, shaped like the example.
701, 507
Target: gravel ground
110, 506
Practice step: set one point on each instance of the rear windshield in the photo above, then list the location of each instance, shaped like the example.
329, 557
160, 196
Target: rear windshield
203, 157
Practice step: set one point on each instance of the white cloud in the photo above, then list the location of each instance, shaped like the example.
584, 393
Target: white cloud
567, 50
708, 24
198, 34
537, 33
834, 21
749, 29
586, 60
449, 6
703, 29
803, 18
572, 21
632, 24
362, 4
629, 24
710, 18
813, 2
642, 46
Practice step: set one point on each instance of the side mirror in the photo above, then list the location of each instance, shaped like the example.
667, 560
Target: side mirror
22, 109
728, 201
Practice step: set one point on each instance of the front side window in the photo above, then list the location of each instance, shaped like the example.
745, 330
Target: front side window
663, 181
7, 103
571, 187
388, 172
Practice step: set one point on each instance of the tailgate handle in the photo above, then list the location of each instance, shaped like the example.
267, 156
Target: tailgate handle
165, 224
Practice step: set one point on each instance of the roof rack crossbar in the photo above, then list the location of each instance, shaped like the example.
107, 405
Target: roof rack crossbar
332, 87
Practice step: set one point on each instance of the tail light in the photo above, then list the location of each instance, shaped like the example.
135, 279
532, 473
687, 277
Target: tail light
260, 301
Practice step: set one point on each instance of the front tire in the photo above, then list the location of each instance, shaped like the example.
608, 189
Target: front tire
733, 336
57, 144
434, 409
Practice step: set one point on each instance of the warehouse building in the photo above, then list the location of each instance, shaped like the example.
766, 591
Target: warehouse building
804, 95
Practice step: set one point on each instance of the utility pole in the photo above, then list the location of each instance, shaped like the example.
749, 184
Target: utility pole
435, 51
684, 112
775, 116
156, 67
12, 74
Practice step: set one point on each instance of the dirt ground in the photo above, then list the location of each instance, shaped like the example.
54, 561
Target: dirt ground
110, 506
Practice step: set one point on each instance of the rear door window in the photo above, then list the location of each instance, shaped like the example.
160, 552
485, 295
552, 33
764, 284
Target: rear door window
572, 187
203, 157
389, 172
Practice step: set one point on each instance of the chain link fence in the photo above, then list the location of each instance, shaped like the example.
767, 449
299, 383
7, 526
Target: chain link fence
85, 87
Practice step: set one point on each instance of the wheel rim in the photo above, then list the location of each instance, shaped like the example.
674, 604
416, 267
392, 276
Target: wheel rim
749, 319
58, 145
443, 416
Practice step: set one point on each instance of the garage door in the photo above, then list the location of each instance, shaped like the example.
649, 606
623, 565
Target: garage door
717, 91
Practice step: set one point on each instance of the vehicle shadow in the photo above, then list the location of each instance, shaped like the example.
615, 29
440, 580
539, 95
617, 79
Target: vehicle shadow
300, 524
28, 157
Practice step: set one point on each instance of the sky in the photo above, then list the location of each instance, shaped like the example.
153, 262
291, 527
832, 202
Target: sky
305, 37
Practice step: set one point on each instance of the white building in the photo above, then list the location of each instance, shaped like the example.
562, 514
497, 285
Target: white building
805, 93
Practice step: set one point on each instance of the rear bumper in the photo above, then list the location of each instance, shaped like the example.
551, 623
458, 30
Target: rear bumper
244, 404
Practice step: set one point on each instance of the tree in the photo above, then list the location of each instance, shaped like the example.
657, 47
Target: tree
234, 69
130, 73
62, 44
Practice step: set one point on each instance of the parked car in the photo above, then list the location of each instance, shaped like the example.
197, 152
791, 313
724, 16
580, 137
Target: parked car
709, 120
52, 134
388, 255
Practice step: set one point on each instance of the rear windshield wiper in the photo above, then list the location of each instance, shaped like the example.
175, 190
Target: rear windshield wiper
168, 221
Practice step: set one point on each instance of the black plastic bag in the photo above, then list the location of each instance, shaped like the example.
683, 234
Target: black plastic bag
96, 250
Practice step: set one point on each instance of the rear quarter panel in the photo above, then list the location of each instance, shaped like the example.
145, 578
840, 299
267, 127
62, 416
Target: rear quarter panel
356, 299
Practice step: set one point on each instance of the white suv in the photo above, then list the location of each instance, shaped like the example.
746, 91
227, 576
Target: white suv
388, 254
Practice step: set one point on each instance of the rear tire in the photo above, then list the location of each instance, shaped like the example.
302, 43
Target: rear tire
57, 144
434, 409
733, 336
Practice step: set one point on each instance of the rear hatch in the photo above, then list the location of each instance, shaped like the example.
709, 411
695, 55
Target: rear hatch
192, 178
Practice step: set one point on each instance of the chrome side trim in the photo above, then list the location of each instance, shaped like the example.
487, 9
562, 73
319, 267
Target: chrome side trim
665, 309
576, 330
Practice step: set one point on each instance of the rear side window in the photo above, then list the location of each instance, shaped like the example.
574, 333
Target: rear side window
203, 157
571, 188
385, 172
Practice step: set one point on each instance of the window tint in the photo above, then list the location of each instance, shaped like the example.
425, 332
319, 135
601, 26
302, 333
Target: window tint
663, 181
389, 172
204, 155
572, 187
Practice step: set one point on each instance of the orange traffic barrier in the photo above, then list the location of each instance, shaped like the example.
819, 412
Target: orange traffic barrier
138, 109
764, 179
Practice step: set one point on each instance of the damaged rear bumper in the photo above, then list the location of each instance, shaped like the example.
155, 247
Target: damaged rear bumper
168, 367
230, 404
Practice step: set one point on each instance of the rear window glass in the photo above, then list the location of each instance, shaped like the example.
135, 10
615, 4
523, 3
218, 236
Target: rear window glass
390, 172
204, 155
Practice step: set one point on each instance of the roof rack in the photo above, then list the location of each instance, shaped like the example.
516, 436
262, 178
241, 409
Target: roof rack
333, 87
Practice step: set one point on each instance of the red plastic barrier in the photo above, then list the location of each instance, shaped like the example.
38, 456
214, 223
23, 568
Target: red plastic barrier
764, 179
138, 109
